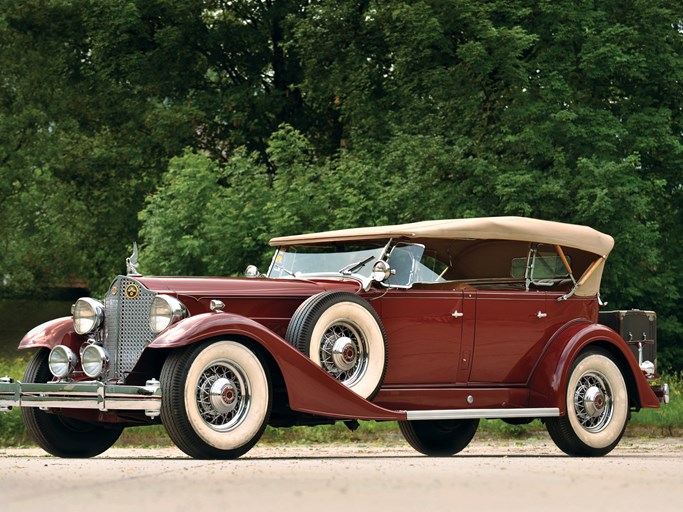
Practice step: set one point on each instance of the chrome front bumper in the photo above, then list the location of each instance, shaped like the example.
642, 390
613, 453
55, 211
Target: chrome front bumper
82, 395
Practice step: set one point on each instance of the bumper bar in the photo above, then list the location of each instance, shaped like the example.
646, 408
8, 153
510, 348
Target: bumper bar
82, 395
661, 392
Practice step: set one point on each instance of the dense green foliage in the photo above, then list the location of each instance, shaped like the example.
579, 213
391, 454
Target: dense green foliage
203, 128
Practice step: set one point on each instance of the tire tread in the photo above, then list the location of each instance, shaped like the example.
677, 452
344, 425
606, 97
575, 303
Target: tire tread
424, 437
49, 430
561, 430
174, 412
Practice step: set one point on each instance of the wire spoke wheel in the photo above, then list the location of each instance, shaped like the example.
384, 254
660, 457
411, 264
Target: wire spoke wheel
596, 407
223, 395
593, 401
342, 333
344, 352
217, 399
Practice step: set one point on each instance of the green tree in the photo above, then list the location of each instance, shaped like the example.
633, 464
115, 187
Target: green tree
262, 117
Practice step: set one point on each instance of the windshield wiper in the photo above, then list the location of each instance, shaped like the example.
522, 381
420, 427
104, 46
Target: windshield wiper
280, 267
348, 269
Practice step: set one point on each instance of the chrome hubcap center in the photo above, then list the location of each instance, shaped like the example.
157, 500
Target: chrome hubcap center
344, 353
223, 395
594, 402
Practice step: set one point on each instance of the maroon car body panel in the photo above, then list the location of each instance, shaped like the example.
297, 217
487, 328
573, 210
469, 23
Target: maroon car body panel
425, 339
59, 331
310, 389
500, 352
549, 379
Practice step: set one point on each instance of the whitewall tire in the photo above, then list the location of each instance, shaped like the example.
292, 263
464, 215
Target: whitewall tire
343, 335
216, 399
597, 407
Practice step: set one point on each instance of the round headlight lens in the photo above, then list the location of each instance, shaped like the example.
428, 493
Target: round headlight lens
94, 360
88, 315
166, 310
61, 361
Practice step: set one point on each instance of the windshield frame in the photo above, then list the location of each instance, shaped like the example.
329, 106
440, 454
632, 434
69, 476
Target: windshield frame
352, 259
347, 268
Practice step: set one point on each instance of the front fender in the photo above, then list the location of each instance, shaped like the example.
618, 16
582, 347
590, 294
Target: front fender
548, 382
310, 389
59, 331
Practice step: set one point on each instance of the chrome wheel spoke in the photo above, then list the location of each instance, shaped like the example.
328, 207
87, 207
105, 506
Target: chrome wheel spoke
593, 403
223, 395
343, 352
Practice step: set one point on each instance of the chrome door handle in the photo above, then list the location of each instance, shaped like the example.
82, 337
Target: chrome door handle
540, 314
458, 314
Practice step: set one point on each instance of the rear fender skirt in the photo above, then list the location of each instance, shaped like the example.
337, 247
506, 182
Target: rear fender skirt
310, 389
59, 331
548, 382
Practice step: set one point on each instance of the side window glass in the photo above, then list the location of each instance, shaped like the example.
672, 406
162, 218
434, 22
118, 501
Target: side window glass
545, 267
404, 260
430, 269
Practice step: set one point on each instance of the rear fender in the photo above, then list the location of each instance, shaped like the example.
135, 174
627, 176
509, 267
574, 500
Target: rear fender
309, 388
548, 382
50, 334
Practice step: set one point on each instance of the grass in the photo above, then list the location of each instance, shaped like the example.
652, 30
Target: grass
667, 421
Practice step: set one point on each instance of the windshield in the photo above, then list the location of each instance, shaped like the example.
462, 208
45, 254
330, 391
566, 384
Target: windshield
410, 263
304, 260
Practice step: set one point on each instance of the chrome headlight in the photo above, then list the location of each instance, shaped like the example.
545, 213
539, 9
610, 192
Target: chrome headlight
62, 361
166, 310
88, 315
94, 360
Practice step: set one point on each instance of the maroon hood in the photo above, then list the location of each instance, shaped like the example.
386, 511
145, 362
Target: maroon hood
230, 287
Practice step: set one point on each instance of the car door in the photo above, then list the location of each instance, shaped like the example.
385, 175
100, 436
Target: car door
424, 331
511, 329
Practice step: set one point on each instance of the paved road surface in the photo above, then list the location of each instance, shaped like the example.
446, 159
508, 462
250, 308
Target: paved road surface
529, 475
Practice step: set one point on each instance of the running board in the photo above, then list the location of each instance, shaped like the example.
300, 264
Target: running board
464, 414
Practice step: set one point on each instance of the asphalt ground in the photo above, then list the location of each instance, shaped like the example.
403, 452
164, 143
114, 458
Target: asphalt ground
488, 475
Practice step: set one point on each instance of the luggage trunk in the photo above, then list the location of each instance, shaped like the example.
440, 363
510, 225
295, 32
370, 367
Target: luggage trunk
638, 328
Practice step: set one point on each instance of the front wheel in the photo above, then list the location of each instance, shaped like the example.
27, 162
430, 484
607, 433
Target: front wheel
59, 435
216, 399
439, 438
597, 407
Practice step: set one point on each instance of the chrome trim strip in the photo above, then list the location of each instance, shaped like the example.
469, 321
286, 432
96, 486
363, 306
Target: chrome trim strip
462, 414
82, 395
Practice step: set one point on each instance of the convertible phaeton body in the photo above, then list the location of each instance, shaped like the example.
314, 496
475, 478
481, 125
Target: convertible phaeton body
433, 324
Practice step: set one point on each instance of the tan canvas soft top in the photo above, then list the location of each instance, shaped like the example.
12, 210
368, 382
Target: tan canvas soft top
485, 228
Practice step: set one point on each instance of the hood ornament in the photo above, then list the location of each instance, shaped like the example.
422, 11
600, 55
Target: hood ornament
132, 262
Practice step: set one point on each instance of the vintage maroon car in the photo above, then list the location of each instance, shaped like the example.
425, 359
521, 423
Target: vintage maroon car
433, 324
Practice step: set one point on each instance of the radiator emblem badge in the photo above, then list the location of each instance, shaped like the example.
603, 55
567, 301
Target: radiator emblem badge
132, 291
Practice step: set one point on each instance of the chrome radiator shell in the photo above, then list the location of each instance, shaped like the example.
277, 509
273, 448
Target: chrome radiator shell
126, 325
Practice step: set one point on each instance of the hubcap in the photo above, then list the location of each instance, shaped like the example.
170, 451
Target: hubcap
593, 401
223, 395
344, 352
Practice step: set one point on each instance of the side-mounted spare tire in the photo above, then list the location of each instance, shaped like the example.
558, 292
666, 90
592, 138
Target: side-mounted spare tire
343, 335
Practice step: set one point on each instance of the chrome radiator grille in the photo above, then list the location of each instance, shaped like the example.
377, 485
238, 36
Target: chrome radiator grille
126, 324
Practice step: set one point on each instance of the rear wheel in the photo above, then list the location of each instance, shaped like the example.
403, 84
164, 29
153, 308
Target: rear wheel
216, 399
597, 407
58, 435
439, 438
